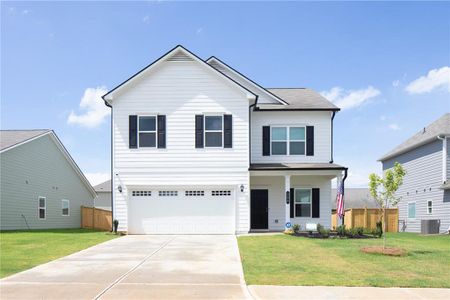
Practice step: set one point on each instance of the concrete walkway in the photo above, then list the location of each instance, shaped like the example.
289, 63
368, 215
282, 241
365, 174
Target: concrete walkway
138, 267
270, 292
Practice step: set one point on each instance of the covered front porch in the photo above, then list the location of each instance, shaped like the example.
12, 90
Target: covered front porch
291, 193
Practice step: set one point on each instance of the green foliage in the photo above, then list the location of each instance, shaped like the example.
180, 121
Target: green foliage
383, 189
296, 228
360, 231
341, 231
116, 225
322, 231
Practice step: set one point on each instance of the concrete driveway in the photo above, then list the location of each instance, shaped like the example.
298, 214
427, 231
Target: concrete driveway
138, 267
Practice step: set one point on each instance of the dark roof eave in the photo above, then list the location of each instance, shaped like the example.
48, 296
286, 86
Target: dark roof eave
297, 109
297, 169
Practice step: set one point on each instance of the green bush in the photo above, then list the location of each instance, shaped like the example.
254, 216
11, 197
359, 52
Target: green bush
379, 230
352, 232
322, 231
296, 228
360, 231
341, 231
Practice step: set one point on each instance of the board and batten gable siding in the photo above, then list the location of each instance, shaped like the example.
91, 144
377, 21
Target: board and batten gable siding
49, 174
321, 120
180, 90
421, 183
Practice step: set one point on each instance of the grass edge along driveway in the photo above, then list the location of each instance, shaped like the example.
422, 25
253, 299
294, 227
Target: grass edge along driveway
22, 250
288, 260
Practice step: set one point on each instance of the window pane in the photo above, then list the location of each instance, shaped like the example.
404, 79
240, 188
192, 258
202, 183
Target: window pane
213, 139
41, 213
41, 202
411, 210
147, 139
302, 196
297, 133
279, 148
213, 123
147, 123
65, 204
65, 211
303, 210
279, 133
297, 148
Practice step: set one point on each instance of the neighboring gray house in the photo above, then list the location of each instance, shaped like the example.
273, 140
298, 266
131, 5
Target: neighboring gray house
425, 193
41, 185
103, 191
355, 198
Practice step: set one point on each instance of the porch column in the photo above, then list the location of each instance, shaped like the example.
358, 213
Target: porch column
287, 188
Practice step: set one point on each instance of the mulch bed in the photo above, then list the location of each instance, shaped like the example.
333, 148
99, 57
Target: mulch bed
390, 251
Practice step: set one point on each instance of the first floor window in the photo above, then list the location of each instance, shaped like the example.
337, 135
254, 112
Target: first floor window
288, 140
65, 207
412, 210
147, 131
213, 131
429, 207
303, 203
42, 207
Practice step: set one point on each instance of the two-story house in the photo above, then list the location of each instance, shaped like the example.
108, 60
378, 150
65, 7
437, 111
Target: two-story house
199, 148
425, 193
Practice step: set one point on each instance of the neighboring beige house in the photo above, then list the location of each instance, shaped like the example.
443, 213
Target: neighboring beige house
355, 198
103, 191
41, 185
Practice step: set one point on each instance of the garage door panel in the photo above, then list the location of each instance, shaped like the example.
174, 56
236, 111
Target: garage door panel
182, 214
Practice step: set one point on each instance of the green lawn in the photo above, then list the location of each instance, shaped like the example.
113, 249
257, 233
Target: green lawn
21, 250
288, 260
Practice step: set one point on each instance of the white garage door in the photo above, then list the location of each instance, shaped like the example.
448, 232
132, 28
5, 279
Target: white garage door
181, 211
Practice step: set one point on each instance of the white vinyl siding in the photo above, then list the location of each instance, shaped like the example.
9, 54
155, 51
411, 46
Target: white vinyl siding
180, 90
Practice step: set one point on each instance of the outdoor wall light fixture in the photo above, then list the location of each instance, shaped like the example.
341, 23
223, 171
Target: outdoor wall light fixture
119, 188
242, 188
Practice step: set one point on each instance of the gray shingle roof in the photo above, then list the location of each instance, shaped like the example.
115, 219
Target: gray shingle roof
428, 134
298, 98
9, 138
304, 166
355, 198
103, 187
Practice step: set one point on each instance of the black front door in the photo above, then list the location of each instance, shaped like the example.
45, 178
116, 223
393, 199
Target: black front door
259, 209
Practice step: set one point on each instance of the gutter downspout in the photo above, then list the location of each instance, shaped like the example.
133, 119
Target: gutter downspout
444, 158
332, 130
343, 184
112, 172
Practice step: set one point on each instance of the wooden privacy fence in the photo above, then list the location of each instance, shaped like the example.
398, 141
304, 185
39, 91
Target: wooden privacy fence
96, 218
367, 218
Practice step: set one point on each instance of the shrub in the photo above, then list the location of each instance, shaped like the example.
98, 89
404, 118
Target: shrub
296, 228
352, 232
322, 231
320, 228
379, 230
360, 231
116, 224
341, 231
288, 231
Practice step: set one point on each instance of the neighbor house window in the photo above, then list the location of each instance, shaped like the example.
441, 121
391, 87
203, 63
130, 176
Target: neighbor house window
213, 131
411, 210
303, 202
288, 140
42, 208
429, 207
65, 207
147, 131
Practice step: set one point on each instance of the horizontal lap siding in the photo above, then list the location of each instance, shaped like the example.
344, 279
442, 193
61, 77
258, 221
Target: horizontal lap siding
49, 175
180, 90
322, 135
423, 167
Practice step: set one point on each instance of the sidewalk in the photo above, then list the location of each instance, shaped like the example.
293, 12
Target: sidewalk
340, 293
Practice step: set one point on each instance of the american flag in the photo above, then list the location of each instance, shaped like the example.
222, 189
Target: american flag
340, 200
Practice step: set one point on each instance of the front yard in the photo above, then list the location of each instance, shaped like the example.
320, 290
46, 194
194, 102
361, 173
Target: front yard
21, 250
289, 260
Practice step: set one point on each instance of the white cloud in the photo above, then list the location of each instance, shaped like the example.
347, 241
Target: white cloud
435, 79
94, 107
25, 12
199, 30
97, 178
146, 19
394, 126
395, 83
346, 99
383, 118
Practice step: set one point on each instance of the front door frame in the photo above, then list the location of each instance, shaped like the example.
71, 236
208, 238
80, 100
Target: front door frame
267, 209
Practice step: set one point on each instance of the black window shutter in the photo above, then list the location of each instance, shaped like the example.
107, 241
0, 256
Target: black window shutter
316, 203
228, 131
309, 140
198, 131
132, 131
161, 131
266, 141
291, 201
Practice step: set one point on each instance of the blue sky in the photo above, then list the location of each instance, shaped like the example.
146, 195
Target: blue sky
386, 64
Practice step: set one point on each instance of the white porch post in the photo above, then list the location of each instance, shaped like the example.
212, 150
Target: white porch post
287, 188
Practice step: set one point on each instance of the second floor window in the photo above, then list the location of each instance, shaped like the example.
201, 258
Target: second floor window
213, 131
288, 140
147, 131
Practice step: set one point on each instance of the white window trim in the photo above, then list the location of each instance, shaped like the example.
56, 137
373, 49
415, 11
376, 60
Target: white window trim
428, 211
221, 131
407, 210
310, 202
288, 140
44, 208
147, 131
68, 207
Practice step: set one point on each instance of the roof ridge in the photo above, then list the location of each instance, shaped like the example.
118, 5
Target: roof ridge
44, 129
